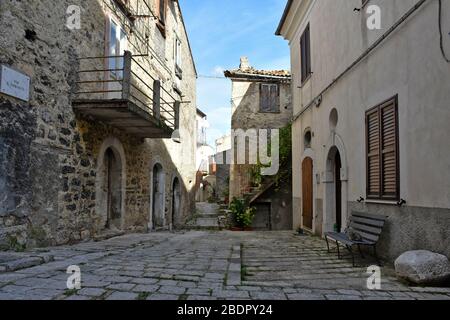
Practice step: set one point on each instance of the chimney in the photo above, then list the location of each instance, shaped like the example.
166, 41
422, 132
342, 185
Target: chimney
245, 64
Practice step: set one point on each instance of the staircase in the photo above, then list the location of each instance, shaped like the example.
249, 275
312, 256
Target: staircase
206, 217
253, 193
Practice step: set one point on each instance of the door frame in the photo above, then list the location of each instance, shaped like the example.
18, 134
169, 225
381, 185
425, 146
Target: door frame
312, 193
178, 180
335, 141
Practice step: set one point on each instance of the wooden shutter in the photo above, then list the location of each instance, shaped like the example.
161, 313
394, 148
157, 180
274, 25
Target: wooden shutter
274, 98
389, 150
305, 54
382, 152
308, 51
264, 97
162, 11
373, 154
303, 57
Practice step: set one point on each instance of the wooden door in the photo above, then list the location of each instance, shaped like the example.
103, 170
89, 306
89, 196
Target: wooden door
262, 220
307, 193
338, 192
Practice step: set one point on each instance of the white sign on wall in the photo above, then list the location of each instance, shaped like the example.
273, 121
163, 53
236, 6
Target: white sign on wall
14, 83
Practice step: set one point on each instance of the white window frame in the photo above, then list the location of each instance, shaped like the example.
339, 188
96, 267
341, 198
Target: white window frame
120, 46
177, 57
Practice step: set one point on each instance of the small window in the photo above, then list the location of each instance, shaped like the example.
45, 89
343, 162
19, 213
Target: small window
117, 43
162, 12
178, 70
307, 139
305, 47
269, 98
383, 181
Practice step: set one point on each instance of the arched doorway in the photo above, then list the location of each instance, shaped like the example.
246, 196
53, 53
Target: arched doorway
113, 190
334, 191
110, 185
307, 193
158, 197
176, 201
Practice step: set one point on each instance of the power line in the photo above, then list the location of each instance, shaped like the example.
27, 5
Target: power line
211, 77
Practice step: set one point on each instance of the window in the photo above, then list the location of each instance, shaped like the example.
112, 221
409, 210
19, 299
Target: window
305, 48
117, 44
178, 70
161, 12
383, 181
307, 139
270, 98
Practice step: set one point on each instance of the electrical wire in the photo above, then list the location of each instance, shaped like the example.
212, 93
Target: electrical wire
440, 33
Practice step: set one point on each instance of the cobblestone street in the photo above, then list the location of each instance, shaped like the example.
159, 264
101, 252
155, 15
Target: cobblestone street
203, 265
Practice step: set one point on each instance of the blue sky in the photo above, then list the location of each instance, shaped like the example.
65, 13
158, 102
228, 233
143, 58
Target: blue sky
220, 32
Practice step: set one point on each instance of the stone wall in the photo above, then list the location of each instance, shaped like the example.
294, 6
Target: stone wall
246, 115
279, 197
49, 155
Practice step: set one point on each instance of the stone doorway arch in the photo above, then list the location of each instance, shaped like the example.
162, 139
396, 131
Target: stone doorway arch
110, 185
158, 195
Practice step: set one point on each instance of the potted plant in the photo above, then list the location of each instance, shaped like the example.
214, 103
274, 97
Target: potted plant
242, 215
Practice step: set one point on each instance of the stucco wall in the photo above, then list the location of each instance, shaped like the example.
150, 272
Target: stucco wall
408, 64
48, 174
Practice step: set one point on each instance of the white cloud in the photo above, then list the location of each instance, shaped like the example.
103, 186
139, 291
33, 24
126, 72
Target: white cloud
218, 71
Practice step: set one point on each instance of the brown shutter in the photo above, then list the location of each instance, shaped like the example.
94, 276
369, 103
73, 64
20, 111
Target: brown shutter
373, 154
274, 98
382, 152
389, 150
305, 49
265, 97
303, 57
308, 52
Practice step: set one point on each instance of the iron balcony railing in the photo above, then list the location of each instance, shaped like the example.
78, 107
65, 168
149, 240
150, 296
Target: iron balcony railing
126, 78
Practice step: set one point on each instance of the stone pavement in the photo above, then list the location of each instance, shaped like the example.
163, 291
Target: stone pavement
203, 265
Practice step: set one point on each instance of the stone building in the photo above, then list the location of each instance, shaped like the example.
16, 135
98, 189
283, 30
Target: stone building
205, 181
371, 117
260, 99
223, 150
90, 154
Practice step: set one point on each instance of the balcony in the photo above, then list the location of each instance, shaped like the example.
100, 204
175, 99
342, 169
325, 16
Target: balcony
119, 91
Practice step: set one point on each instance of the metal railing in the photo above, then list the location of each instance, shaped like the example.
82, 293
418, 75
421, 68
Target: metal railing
126, 78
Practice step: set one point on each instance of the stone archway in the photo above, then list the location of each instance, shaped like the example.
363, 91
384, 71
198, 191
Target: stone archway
335, 180
176, 201
158, 197
110, 185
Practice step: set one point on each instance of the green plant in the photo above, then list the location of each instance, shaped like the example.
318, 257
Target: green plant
143, 295
244, 273
285, 159
242, 214
70, 292
15, 245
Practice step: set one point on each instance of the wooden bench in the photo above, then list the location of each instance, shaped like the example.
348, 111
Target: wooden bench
368, 226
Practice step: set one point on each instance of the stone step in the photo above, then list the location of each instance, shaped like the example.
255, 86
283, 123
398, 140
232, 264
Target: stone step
108, 234
207, 222
209, 215
207, 208
11, 261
